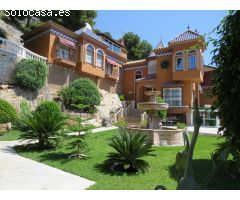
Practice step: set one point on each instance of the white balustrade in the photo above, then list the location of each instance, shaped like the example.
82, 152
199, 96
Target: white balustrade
19, 50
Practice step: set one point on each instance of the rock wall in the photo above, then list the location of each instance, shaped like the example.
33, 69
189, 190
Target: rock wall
15, 95
13, 34
109, 105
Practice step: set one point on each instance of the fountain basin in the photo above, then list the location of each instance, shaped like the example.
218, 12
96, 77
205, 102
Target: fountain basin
152, 106
166, 136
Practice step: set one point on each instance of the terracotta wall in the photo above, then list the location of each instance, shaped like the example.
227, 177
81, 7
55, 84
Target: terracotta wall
128, 82
40, 45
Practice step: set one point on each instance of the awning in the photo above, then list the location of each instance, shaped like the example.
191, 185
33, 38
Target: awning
112, 62
67, 43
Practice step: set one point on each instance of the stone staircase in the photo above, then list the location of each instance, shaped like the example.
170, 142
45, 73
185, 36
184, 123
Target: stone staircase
133, 115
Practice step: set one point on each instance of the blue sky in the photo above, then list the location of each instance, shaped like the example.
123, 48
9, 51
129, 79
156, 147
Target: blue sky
152, 25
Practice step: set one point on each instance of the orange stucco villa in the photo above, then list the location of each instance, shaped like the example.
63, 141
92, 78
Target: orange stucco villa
177, 70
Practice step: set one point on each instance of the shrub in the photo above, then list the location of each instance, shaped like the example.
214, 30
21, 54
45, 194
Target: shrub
3, 33
84, 87
143, 123
50, 107
81, 91
181, 125
122, 98
161, 113
7, 112
31, 74
24, 109
121, 123
129, 149
44, 124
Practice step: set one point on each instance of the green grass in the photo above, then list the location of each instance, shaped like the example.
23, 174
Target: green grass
161, 170
10, 136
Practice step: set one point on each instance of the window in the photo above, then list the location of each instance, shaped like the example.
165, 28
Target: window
90, 54
100, 58
65, 52
138, 74
173, 96
192, 61
179, 61
113, 47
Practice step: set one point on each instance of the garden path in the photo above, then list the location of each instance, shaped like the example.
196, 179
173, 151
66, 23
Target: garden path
17, 172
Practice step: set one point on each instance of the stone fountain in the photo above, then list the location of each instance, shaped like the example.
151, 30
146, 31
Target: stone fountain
158, 134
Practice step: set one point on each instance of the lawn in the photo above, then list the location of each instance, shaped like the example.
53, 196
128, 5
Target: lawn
162, 169
10, 136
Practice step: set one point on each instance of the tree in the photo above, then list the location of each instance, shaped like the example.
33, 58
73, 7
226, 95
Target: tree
98, 32
129, 148
136, 48
75, 20
226, 82
44, 124
146, 48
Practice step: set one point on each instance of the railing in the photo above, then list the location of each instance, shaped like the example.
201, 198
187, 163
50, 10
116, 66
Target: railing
19, 50
124, 111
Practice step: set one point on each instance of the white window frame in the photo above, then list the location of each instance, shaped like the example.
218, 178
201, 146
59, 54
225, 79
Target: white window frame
171, 98
88, 58
100, 62
193, 56
177, 56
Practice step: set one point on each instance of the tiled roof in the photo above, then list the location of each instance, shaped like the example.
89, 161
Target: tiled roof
187, 35
135, 62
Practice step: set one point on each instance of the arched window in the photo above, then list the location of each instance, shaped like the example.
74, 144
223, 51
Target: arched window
100, 58
179, 61
90, 54
138, 74
192, 61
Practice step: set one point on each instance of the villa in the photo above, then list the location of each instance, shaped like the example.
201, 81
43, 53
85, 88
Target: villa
177, 70
71, 55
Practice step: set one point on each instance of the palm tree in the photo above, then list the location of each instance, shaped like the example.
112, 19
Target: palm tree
43, 127
129, 149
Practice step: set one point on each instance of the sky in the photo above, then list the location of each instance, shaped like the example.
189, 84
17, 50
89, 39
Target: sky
154, 25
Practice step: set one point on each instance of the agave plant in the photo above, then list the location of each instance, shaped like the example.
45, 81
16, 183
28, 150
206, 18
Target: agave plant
43, 127
129, 149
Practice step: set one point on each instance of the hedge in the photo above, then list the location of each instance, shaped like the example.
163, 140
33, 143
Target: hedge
7, 112
31, 74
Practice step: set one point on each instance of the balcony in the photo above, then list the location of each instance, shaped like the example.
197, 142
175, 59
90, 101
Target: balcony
19, 51
65, 62
112, 76
188, 75
92, 70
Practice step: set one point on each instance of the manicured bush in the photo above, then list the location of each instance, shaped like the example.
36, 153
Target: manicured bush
84, 87
81, 91
50, 107
31, 74
7, 112
129, 149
